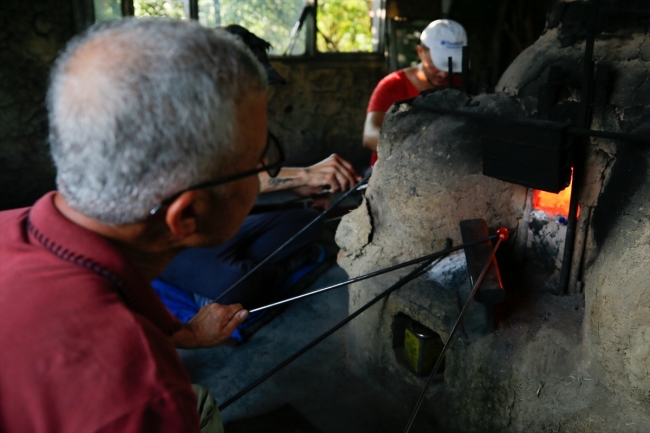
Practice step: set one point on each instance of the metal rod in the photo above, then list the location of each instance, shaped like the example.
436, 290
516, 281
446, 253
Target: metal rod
465, 70
608, 135
412, 275
334, 219
502, 234
318, 218
579, 149
194, 9
127, 8
433, 256
578, 250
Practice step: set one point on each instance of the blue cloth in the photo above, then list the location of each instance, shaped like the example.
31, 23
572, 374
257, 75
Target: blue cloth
179, 302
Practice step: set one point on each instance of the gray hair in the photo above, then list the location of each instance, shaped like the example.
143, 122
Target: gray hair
140, 109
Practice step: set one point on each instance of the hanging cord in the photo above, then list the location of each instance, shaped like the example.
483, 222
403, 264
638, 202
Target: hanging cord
411, 276
502, 235
448, 249
314, 221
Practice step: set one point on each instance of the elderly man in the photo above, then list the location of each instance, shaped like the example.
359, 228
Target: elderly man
440, 40
157, 130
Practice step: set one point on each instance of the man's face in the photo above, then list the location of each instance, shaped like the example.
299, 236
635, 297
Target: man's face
435, 76
238, 197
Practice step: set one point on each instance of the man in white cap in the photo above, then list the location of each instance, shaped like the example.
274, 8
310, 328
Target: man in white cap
440, 40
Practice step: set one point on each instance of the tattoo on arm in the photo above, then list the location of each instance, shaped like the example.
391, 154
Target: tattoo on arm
275, 181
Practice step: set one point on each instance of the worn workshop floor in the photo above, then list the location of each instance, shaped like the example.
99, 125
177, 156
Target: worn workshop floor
318, 386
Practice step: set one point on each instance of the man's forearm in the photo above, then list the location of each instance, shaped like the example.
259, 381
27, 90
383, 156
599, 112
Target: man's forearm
333, 173
370, 142
288, 178
372, 129
184, 338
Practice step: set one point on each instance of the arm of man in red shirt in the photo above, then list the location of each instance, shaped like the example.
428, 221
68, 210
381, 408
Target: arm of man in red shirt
371, 129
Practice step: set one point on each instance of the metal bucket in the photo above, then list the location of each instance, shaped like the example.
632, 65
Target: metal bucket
422, 347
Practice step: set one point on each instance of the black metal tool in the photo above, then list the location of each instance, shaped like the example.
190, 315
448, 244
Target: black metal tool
314, 221
491, 291
502, 234
411, 276
586, 98
450, 72
448, 249
464, 73
514, 148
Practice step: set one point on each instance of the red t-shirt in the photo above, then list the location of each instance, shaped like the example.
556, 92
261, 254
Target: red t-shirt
392, 88
84, 340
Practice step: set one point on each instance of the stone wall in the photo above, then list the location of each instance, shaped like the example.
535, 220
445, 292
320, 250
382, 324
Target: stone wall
322, 108
31, 35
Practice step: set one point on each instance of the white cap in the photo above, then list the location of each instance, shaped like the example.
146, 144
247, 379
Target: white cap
444, 39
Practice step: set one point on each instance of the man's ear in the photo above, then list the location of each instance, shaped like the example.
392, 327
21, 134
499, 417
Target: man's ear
181, 216
420, 50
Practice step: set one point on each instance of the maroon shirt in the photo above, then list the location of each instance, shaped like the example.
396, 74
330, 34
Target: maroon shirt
84, 340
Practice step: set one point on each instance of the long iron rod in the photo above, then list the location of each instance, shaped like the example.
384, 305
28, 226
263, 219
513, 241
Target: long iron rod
281, 247
580, 149
501, 237
412, 275
447, 250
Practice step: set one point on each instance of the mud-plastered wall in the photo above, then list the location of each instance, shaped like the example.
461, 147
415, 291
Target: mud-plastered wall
616, 183
555, 363
31, 35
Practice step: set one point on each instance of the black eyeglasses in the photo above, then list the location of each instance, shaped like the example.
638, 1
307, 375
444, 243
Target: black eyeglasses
271, 162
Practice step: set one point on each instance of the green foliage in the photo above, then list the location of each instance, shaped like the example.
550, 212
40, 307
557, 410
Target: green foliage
344, 25
271, 20
158, 8
107, 9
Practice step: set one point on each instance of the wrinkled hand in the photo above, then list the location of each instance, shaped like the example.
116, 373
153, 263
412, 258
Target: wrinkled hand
333, 171
211, 326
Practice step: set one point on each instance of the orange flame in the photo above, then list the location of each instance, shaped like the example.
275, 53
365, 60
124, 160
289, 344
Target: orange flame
553, 203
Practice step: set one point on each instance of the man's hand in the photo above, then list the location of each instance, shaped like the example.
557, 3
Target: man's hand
333, 171
211, 326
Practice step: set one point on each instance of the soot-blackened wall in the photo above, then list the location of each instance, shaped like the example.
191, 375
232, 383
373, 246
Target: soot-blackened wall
31, 35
